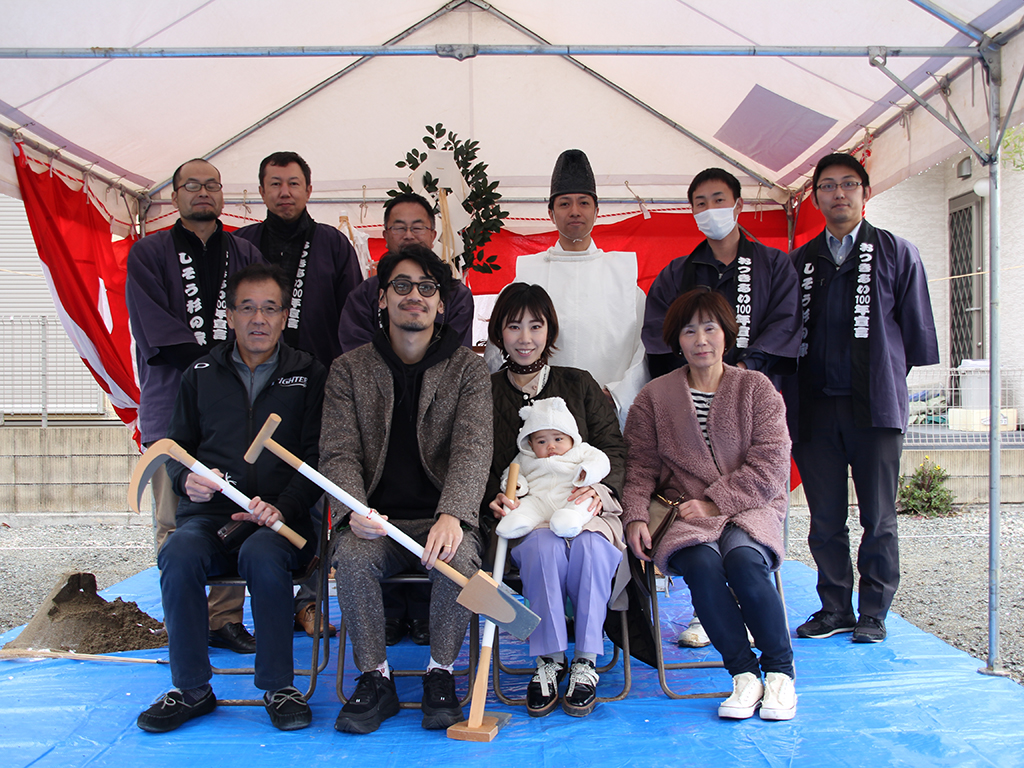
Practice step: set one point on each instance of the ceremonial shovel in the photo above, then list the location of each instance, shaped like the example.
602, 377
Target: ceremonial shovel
484, 726
165, 449
480, 593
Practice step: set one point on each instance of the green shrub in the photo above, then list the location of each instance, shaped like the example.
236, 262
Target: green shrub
925, 493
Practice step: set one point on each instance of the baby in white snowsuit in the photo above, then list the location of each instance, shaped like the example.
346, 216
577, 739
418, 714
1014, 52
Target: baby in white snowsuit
553, 460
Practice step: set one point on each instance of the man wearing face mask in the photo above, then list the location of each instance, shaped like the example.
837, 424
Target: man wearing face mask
759, 282
599, 304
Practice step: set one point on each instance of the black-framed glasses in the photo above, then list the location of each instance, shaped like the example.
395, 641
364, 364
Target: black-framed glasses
403, 287
830, 186
401, 229
195, 186
249, 310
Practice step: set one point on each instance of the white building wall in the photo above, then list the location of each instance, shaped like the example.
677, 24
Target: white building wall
918, 209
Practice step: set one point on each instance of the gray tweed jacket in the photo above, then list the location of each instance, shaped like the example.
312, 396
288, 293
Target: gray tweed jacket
454, 427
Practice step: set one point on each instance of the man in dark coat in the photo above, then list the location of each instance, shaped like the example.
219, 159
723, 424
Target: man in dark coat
175, 292
323, 269
867, 321
225, 397
758, 282
408, 220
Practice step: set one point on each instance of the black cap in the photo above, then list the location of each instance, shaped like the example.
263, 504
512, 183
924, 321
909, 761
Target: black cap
572, 176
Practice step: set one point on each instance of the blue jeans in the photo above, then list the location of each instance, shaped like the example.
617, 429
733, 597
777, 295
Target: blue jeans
709, 577
266, 561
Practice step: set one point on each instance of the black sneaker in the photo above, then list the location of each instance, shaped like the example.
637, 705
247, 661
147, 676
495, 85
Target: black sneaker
581, 695
373, 702
869, 630
825, 624
171, 711
440, 707
287, 708
542, 692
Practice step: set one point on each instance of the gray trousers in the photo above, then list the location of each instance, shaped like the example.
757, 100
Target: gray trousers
360, 565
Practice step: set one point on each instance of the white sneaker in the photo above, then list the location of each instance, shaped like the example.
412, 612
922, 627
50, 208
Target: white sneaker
747, 691
779, 702
694, 635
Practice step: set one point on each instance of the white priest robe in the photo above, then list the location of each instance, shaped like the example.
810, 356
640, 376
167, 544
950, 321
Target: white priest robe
600, 311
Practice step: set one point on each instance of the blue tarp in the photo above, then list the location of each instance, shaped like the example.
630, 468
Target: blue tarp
912, 700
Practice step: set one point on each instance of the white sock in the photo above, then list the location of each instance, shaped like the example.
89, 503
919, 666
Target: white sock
591, 657
385, 670
435, 665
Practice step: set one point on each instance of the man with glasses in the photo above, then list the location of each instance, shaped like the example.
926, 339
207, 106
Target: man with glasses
867, 321
406, 430
230, 392
175, 292
408, 220
323, 269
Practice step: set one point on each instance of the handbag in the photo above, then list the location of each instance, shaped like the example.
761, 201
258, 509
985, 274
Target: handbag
662, 513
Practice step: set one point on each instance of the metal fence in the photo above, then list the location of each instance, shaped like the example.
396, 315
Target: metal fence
949, 406
42, 373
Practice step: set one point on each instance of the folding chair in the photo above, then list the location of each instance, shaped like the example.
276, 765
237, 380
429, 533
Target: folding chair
316, 665
468, 672
664, 666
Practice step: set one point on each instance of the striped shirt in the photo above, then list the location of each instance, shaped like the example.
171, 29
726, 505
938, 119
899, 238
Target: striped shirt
702, 402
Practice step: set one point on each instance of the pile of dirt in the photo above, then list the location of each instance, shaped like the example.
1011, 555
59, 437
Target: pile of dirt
74, 618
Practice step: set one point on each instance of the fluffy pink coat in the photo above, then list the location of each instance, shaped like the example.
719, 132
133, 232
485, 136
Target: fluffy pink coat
747, 426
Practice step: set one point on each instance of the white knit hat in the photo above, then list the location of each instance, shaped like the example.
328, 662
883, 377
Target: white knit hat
550, 413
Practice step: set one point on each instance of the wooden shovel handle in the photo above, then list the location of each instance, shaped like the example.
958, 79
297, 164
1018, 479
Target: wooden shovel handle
180, 454
358, 507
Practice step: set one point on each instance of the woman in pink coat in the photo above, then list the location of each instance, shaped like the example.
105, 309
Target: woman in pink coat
716, 436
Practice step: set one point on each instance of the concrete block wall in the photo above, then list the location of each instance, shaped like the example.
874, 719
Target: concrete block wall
60, 471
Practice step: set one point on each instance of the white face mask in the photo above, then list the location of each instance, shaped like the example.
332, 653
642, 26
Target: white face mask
716, 223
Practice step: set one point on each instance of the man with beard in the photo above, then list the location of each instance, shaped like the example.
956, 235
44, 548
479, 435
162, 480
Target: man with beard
408, 220
406, 431
175, 292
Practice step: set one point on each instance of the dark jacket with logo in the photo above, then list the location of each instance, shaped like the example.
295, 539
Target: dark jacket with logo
214, 422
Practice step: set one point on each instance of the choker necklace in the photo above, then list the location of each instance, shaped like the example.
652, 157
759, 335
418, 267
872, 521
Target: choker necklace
524, 369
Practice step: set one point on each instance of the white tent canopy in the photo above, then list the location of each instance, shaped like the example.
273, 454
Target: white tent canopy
653, 90
130, 90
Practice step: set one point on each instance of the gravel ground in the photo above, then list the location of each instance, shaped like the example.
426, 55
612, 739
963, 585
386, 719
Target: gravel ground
944, 563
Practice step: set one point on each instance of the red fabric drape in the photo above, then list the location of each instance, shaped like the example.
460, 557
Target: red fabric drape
86, 278
656, 241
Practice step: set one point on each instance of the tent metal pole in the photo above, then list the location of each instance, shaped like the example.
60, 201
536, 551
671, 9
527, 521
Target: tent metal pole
57, 157
995, 663
877, 60
462, 51
943, 15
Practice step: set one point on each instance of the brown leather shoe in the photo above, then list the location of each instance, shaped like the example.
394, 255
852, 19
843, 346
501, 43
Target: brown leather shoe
304, 618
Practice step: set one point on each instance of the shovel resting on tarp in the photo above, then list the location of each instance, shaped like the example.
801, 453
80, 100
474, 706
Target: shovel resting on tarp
480, 593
